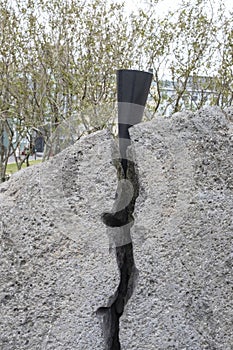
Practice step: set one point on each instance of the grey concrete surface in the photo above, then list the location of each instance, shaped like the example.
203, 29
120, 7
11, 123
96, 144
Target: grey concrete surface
56, 268
183, 234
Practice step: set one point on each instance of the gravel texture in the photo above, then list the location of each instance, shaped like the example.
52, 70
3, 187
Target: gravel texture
55, 264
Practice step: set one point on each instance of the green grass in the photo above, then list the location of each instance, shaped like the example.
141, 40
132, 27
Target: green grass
12, 168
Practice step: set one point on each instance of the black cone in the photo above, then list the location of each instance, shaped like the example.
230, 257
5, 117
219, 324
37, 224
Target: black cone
133, 88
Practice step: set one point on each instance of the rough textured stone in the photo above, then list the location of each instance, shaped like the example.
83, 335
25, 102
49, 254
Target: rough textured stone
183, 234
56, 269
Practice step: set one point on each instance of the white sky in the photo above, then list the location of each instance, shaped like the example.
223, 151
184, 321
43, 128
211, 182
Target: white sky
165, 5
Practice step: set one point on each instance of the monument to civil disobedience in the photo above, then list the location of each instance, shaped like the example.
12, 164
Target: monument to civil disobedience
58, 264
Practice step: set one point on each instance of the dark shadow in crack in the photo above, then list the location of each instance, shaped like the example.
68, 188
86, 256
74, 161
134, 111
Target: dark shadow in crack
121, 221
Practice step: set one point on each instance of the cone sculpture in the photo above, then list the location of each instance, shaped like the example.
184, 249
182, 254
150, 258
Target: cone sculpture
133, 88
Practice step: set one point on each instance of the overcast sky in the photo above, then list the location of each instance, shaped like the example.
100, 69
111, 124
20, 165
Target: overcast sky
165, 5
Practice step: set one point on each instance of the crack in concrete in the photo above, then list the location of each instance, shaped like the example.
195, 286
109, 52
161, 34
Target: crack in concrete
119, 222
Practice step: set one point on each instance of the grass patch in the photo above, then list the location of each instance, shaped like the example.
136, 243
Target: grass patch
12, 167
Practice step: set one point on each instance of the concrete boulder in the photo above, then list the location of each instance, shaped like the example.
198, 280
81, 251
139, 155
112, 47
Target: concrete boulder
56, 266
183, 234
56, 269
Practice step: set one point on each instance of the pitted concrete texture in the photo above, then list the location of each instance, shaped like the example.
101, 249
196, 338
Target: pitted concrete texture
56, 268
183, 234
